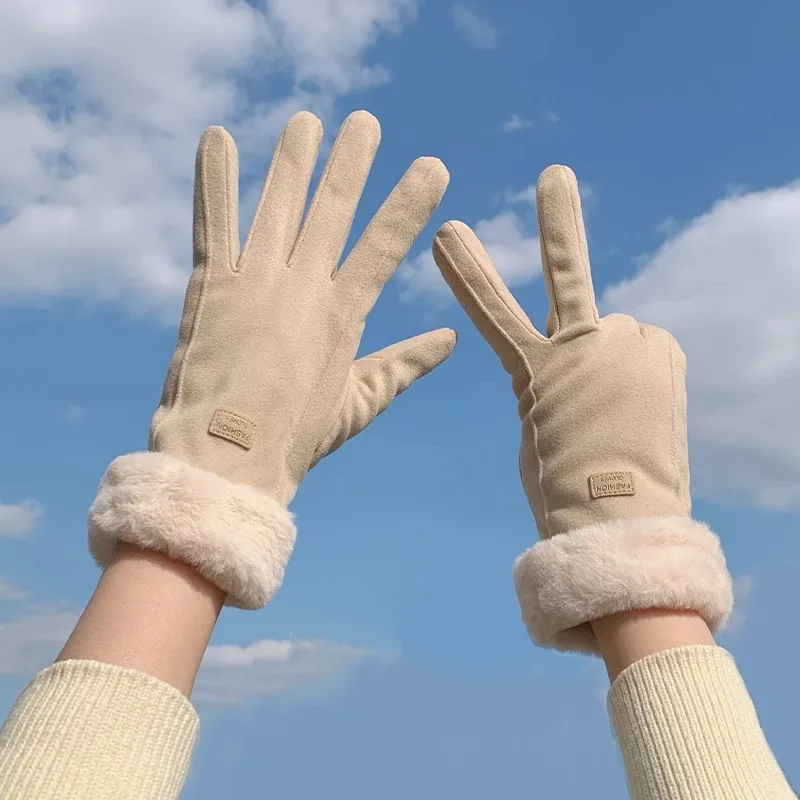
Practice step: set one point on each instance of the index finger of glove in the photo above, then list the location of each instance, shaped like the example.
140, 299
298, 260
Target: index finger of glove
216, 201
392, 231
473, 278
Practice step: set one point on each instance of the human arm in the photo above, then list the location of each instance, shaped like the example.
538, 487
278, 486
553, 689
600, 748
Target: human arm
681, 712
622, 569
264, 383
111, 718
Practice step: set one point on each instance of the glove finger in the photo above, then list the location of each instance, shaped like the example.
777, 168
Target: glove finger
216, 237
377, 379
392, 231
330, 217
216, 201
470, 273
565, 254
283, 200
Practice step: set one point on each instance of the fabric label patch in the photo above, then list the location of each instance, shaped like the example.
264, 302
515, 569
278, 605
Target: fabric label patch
612, 484
232, 427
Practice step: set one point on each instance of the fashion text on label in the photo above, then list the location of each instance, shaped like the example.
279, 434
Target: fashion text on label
232, 427
612, 484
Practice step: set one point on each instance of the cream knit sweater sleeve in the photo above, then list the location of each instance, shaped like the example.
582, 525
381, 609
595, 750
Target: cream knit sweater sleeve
688, 730
82, 730
87, 731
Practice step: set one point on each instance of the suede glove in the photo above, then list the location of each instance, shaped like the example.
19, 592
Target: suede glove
264, 381
604, 456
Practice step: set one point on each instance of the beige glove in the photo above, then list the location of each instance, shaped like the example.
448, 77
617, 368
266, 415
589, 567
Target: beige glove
604, 458
263, 383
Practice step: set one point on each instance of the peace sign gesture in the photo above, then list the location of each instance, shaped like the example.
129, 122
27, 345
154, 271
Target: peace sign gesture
604, 454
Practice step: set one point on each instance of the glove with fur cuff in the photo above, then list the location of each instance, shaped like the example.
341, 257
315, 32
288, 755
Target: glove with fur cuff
604, 456
264, 381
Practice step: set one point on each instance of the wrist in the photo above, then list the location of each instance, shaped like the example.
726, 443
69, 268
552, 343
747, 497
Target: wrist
149, 613
625, 638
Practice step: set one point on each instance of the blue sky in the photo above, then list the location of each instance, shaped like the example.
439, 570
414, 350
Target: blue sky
393, 660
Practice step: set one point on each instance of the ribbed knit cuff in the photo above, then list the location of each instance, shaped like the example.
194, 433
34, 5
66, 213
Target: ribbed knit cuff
82, 729
687, 728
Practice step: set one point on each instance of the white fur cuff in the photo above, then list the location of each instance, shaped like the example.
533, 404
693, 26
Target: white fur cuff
236, 537
566, 582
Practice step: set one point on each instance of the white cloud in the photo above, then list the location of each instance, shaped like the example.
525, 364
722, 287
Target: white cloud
528, 195
479, 31
17, 520
588, 196
102, 105
514, 252
232, 674
325, 40
73, 413
728, 286
596, 683
30, 643
515, 123
667, 226
742, 590
8, 591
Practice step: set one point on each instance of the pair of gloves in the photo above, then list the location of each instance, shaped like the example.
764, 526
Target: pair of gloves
264, 383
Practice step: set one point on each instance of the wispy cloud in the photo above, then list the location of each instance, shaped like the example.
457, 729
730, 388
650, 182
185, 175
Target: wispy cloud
30, 643
74, 413
515, 123
231, 674
478, 30
9, 591
667, 226
513, 249
588, 196
527, 196
742, 591
18, 520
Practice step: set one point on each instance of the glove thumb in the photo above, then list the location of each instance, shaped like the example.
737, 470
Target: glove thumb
375, 380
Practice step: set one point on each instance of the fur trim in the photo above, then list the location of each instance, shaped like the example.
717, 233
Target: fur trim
565, 582
236, 537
